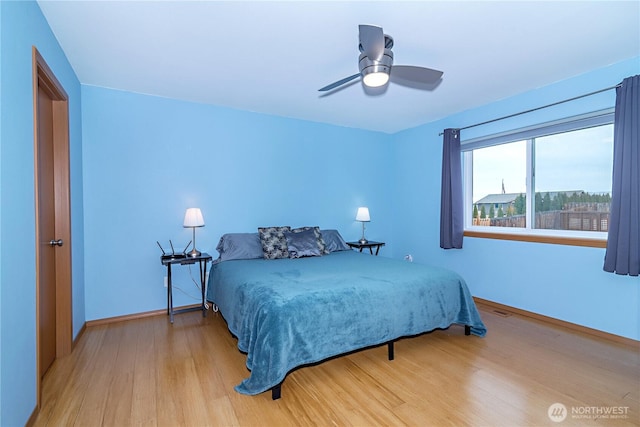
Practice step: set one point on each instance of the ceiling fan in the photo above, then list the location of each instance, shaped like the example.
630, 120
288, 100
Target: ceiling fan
376, 64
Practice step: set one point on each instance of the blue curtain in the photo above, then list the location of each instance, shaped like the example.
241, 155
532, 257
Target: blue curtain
623, 244
451, 212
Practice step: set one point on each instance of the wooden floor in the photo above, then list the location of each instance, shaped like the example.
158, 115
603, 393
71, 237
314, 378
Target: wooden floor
149, 372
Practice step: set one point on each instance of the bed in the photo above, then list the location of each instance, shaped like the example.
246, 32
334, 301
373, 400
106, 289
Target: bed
293, 311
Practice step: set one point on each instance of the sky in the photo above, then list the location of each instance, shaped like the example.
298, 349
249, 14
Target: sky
578, 160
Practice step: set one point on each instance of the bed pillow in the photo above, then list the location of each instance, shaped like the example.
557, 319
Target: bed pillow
302, 243
320, 241
239, 246
334, 241
274, 244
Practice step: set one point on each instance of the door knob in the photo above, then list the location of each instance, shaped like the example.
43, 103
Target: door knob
58, 242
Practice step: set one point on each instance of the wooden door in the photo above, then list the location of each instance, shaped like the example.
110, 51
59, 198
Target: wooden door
47, 232
54, 335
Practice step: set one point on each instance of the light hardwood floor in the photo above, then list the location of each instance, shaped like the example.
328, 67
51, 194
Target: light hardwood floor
149, 372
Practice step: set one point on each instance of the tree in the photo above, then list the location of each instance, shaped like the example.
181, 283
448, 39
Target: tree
538, 202
492, 212
546, 202
520, 204
583, 197
483, 214
500, 212
510, 210
558, 202
475, 211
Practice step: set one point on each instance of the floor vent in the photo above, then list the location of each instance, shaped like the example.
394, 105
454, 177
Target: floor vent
501, 313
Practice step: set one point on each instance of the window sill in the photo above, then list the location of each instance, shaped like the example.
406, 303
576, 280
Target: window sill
556, 240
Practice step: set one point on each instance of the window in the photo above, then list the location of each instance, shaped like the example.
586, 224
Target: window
549, 180
499, 178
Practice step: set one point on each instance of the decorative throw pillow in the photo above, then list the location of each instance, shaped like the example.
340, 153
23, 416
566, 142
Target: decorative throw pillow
334, 241
302, 243
274, 244
316, 231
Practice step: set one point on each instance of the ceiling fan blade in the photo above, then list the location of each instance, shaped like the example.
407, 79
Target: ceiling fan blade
412, 74
338, 83
371, 41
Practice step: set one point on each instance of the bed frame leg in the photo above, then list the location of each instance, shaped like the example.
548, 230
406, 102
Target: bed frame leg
467, 330
390, 347
276, 392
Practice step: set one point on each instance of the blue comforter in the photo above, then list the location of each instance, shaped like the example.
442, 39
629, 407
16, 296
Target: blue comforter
291, 312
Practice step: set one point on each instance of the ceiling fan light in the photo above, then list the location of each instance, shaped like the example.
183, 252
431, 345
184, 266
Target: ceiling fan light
376, 79
375, 73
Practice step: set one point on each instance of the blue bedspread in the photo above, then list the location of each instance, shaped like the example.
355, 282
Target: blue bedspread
291, 312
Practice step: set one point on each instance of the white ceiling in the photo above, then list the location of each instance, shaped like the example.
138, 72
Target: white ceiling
272, 57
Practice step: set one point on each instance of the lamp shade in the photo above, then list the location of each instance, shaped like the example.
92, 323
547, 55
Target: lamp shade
363, 214
193, 218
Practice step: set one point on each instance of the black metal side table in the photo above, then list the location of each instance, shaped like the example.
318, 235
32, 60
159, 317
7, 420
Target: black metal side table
370, 244
181, 259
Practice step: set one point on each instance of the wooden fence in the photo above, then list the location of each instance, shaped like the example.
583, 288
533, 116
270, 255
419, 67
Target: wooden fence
553, 220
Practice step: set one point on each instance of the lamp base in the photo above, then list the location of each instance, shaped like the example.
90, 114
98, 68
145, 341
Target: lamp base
363, 241
194, 253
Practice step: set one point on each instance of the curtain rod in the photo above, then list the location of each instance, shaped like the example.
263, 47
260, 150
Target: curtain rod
538, 108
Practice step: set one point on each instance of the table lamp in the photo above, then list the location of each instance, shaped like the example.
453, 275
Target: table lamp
363, 216
193, 218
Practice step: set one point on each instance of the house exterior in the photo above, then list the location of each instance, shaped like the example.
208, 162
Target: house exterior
497, 202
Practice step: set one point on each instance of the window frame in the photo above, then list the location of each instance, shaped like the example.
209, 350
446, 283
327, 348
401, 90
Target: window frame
528, 134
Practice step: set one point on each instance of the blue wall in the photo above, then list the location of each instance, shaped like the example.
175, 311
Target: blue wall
564, 282
147, 159
23, 25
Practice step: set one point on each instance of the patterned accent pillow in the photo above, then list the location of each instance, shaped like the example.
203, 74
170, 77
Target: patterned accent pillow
316, 231
274, 242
